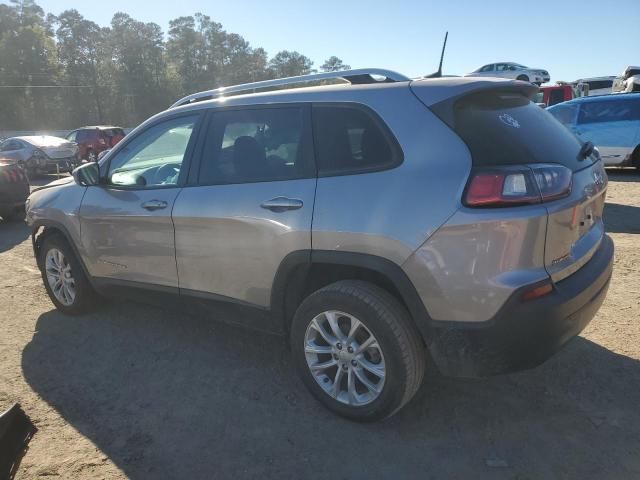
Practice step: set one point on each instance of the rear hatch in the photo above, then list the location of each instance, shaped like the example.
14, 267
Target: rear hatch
503, 129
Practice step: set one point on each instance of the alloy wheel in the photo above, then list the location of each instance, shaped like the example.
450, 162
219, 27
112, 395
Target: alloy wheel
60, 277
345, 358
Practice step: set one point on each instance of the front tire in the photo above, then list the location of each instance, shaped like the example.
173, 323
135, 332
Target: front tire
64, 278
524, 78
357, 350
92, 156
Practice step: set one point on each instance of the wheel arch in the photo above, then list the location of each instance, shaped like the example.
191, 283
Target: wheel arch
42, 229
305, 271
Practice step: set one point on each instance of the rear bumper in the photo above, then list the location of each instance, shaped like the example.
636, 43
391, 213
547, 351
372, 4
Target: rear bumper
524, 334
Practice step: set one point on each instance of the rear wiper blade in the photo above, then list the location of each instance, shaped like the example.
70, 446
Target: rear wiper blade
585, 150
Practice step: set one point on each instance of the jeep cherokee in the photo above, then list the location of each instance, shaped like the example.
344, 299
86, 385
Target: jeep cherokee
381, 223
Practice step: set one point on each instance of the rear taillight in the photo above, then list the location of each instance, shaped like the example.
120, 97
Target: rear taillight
509, 186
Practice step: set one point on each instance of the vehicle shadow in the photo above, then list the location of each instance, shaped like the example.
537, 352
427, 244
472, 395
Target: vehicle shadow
623, 175
12, 234
166, 395
621, 218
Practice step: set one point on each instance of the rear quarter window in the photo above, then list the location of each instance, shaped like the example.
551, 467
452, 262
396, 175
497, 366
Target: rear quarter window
351, 139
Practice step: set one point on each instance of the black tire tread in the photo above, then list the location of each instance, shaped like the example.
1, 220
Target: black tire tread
396, 316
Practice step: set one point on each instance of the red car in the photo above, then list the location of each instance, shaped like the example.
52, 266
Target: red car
93, 140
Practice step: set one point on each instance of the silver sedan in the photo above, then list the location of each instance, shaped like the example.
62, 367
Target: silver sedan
41, 154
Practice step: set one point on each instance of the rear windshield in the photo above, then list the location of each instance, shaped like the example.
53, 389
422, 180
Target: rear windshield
507, 129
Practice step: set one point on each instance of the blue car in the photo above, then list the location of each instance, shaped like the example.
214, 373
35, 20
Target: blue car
610, 122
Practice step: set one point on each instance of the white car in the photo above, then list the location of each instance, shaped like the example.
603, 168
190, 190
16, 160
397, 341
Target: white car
512, 70
629, 81
41, 154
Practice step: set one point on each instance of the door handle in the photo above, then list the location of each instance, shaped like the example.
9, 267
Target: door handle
281, 204
152, 205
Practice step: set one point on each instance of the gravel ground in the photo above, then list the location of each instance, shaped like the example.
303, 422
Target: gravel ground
139, 392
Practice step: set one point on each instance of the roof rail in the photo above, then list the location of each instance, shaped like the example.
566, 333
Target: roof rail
358, 76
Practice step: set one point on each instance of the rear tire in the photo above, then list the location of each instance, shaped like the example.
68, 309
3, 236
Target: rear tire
64, 278
91, 156
383, 356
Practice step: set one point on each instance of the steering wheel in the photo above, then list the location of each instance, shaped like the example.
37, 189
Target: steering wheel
167, 174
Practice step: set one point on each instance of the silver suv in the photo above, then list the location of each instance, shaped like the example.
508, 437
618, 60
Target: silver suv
381, 223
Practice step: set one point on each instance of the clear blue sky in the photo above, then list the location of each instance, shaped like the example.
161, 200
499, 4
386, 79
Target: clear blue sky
571, 38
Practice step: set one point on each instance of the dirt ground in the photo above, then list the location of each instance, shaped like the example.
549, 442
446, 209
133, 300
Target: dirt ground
138, 392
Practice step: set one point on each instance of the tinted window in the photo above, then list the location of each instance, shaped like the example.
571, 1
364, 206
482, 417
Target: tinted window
487, 68
507, 129
609, 111
598, 84
257, 145
351, 139
11, 145
83, 135
112, 132
631, 72
8, 146
155, 156
556, 96
72, 136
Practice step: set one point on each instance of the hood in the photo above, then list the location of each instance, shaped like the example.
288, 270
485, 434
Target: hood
56, 183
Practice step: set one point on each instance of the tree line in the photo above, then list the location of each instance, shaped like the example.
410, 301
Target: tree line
64, 71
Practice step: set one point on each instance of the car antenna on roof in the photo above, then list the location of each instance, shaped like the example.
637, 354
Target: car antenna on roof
438, 74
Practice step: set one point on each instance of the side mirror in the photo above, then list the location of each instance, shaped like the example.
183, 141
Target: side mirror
87, 175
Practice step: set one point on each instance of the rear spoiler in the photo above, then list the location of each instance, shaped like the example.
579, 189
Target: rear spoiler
441, 99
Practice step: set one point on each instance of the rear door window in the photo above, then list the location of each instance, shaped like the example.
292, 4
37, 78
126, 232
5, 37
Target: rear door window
352, 139
257, 145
